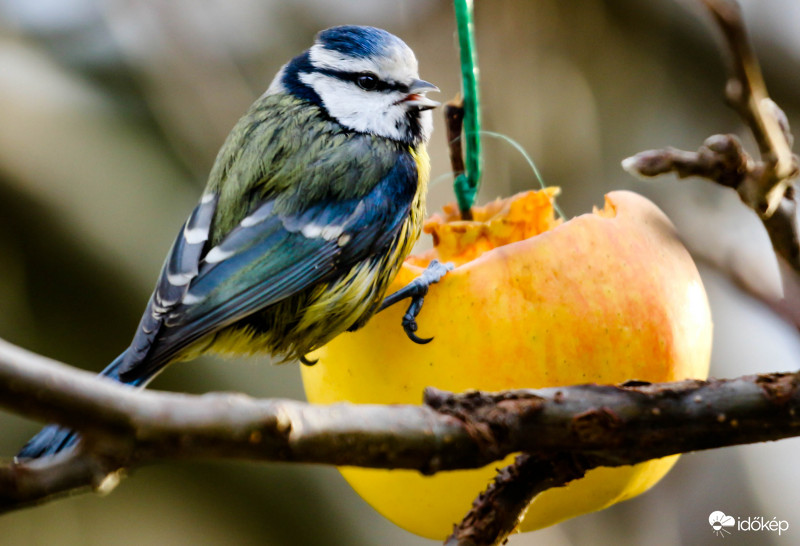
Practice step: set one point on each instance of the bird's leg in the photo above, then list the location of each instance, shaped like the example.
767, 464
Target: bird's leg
416, 290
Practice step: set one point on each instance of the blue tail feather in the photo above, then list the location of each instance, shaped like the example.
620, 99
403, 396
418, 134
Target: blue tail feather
54, 438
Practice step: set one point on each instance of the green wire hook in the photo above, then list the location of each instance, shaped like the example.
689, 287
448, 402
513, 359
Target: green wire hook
466, 184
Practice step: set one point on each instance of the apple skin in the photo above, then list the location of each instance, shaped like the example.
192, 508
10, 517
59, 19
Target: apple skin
603, 298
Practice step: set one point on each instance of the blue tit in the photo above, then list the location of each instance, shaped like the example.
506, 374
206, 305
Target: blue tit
314, 201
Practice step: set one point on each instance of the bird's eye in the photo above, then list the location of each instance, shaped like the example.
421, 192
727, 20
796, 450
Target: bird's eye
367, 81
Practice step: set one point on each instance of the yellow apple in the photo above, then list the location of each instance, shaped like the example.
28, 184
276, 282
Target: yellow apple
533, 302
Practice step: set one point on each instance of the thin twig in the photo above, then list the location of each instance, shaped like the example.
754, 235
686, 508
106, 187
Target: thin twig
747, 94
766, 184
454, 122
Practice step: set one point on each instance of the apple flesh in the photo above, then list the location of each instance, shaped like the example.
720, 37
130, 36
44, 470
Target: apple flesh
603, 298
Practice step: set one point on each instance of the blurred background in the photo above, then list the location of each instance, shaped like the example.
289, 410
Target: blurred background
111, 113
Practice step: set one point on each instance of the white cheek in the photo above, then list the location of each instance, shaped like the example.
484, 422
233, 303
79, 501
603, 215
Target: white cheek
363, 111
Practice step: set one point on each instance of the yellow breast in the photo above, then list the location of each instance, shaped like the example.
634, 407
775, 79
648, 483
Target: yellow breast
423, 161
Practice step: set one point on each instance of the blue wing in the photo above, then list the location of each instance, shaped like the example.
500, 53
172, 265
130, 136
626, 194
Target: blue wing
268, 257
180, 268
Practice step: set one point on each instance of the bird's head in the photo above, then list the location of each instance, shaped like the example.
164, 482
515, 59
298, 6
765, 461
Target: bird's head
366, 79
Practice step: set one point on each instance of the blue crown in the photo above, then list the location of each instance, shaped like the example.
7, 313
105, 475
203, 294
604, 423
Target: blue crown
358, 41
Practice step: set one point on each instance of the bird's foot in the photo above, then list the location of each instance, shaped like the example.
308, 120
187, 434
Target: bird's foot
416, 290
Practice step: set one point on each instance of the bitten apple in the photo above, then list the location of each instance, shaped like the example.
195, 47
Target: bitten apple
604, 298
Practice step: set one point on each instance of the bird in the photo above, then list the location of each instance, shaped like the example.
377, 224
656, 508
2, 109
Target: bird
313, 203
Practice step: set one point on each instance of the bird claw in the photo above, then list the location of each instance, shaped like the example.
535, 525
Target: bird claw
306, 362
416, 290
409, 330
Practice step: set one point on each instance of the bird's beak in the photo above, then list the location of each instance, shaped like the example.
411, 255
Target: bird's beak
416, 95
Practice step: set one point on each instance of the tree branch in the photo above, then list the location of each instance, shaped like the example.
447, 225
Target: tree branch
124, 428
496, 512
747, 94
705, 414
765, 185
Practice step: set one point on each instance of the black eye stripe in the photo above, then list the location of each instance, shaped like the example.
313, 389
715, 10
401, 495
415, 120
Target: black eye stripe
381, 85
